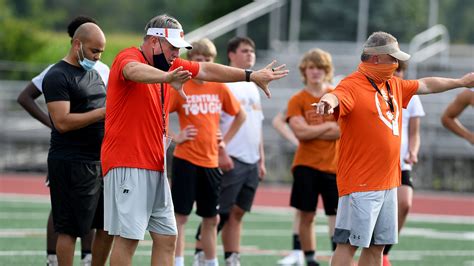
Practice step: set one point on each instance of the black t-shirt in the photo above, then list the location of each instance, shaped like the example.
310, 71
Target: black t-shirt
85, 91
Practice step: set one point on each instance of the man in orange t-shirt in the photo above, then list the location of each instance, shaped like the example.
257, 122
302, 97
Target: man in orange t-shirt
314, 164
370, 103
137, 197
195, 173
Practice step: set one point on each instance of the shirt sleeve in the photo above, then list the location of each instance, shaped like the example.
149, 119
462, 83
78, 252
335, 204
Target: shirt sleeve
55, 87
415, 108
346, 99
128, 56
293, 108
174, 99
409, 88
230, 104
38, 80
191, 66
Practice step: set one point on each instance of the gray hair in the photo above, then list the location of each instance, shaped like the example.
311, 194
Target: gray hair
378, 38
163, 21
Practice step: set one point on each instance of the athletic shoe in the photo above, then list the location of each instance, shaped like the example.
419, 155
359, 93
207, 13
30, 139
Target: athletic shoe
199, 259
386, 261
233, 260
87, 260
296, 257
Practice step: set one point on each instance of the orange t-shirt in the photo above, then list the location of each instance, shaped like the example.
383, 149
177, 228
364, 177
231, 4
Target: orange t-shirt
369, 155
316, 153
134, 117
202, 109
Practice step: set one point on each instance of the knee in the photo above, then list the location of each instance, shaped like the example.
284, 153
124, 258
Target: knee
376, 250
211, 221
169, 243
237, 214
307, 218
181, 219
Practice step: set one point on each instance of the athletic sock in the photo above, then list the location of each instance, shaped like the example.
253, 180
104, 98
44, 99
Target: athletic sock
52, 260
179, 261
211, 262
296, 242
309, 256
228, 254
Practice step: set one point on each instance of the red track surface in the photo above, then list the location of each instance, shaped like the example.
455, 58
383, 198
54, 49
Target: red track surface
423, 203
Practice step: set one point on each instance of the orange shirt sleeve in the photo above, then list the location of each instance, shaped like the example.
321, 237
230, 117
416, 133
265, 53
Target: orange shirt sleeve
346, 99
409, 88
127, 56
293, 108
230, 105
174, 100
191, 66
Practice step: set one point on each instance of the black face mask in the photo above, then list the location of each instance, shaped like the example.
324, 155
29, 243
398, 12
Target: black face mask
159, 60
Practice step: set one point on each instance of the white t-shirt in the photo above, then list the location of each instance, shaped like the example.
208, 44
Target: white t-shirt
414, 109
102, 68
245, 145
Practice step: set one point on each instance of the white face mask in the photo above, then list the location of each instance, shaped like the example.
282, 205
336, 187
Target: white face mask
85, 63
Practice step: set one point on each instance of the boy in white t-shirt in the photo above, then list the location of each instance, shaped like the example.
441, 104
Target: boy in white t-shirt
242, 159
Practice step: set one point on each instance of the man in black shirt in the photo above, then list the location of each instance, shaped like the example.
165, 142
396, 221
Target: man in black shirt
75, 96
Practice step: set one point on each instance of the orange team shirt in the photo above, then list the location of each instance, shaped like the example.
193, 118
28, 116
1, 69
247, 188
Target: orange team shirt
133, 118
316, 153
369, 155
202, 108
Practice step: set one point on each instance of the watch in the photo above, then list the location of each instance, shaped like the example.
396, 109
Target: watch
247, 74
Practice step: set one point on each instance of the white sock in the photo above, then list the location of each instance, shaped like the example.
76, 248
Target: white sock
179, 261
212, 262
52, 260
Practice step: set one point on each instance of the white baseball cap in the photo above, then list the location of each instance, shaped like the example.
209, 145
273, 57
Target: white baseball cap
391, 49
174, 36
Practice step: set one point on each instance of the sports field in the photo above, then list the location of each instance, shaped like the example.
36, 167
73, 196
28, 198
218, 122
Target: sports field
428, 239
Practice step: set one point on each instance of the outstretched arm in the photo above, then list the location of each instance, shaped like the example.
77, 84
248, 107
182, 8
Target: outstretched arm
454, 109
220, 73
27, 99
326, 104
139, 72
437, 84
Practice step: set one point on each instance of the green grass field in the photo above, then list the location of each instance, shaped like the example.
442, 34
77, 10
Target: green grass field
266, 237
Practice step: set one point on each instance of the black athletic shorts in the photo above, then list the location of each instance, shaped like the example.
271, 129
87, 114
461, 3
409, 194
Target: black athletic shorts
192, 183
76, 192
308, 184
407, 180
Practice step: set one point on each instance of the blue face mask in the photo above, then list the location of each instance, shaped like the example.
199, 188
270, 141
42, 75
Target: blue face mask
85, 63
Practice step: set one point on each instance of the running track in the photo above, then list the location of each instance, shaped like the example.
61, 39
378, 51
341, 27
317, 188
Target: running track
440, 203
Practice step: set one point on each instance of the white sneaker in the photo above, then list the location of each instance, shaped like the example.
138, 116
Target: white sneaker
233, 260
87, 260
296, 257
199, 259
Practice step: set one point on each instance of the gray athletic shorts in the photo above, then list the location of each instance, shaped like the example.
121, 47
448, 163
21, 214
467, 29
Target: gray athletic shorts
239, 186
366, 218
136, 201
